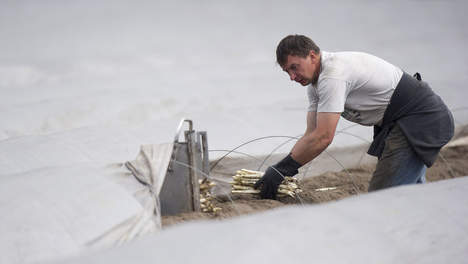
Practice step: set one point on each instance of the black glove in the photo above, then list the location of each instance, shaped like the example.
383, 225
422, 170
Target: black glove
274, 175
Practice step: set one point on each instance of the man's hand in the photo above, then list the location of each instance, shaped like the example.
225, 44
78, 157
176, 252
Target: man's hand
274, 175
269, 183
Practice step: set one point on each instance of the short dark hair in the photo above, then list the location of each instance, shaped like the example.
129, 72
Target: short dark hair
295, 45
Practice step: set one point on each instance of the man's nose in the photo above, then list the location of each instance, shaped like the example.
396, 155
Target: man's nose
292, 76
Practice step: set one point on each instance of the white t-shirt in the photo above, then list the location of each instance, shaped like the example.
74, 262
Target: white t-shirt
356, 84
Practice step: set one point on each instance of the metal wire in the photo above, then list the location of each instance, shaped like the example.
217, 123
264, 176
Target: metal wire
237, 152
281, 174
207, 176
290, 138
356, 189
275, 149
341, 131
287, 141
447, 164
348, 127
354, 135
243, 144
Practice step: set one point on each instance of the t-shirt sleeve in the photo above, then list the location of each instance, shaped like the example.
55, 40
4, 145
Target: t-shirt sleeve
331, 95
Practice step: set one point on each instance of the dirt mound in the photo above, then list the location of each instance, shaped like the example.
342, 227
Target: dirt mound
326, 187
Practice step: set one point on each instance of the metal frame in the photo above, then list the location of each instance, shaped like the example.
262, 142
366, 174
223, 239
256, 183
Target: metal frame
180, 191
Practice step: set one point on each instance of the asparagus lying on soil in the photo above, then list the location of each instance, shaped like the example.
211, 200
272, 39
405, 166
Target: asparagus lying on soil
205, 197
244, 181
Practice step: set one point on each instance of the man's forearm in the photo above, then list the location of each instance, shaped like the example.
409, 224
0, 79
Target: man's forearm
310, 146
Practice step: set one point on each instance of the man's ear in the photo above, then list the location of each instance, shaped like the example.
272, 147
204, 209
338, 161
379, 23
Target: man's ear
313, 55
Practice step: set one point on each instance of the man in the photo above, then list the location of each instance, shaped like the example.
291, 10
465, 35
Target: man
411, 123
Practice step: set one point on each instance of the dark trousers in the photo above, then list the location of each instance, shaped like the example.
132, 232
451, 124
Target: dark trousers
398, 163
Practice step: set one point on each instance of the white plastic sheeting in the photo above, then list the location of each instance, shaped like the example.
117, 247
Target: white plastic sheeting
408, 224
151, 164
60, 211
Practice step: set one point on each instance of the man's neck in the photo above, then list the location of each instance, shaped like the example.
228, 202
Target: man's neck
318, 69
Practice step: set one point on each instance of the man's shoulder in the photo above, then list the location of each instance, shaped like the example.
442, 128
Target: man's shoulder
332, 67
353, 59
347, 65
348, 53
345, 58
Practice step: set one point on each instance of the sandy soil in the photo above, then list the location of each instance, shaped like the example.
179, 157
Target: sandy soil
450, 163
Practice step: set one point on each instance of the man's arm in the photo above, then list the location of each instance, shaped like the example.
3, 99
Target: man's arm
311, 122
319, 134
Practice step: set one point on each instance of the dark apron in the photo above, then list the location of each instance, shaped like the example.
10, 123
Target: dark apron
423, 117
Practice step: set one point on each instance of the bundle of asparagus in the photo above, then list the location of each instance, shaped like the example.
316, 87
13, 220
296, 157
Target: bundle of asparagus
244, 181
205, 196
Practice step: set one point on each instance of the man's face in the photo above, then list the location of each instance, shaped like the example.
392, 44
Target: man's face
303, 70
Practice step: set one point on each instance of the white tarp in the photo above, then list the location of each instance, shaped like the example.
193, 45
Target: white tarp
55, 212
151, 164
409, 224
